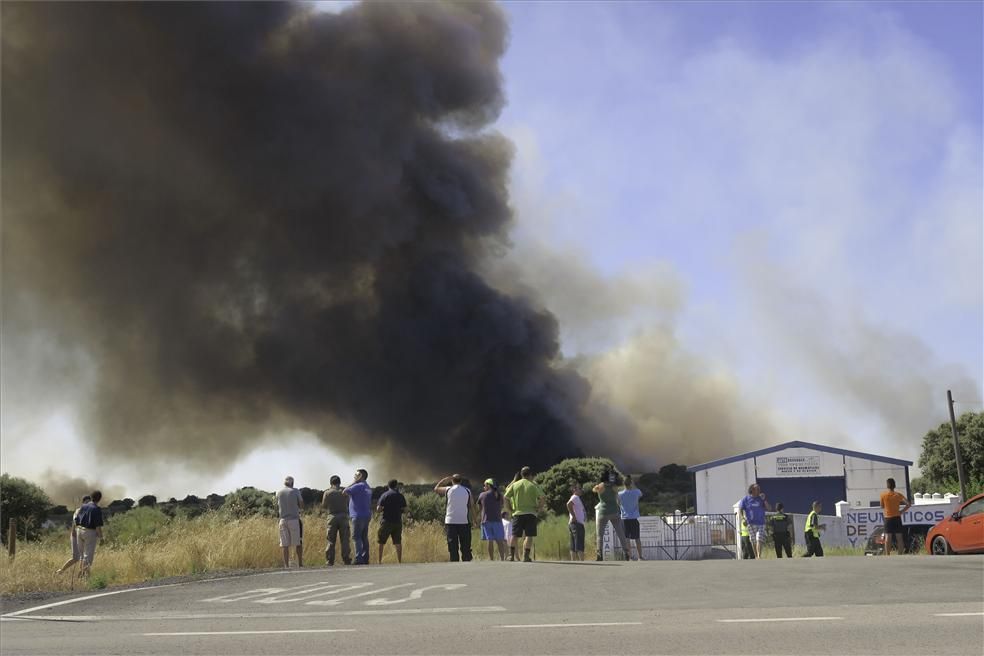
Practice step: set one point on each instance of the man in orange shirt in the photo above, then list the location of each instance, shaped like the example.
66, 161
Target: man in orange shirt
890, 503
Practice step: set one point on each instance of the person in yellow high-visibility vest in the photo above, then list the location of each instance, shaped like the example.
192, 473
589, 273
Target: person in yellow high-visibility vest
813, 528
747, 551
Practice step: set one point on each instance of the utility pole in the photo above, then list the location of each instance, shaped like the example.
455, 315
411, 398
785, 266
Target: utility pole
956, 449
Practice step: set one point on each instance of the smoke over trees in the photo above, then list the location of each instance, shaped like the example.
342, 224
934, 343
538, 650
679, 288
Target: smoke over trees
222, 221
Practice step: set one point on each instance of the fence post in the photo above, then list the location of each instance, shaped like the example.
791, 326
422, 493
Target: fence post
676, 555
12, 538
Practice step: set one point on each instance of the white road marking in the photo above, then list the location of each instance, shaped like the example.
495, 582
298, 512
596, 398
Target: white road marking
297, 595
565, 625
957, 614
247, 616
784, 619
116, 592
243, 596
416, 594
219, 633
342, 600
24, 611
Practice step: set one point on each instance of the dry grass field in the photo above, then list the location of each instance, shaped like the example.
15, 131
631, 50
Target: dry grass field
149, 546
145, 545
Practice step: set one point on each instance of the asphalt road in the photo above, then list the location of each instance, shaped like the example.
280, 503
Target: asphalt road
848, 605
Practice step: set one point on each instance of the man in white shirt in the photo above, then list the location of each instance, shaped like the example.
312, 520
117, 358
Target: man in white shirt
459, 516
575, 522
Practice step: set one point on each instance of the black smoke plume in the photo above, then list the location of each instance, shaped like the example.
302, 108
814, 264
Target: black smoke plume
242, 219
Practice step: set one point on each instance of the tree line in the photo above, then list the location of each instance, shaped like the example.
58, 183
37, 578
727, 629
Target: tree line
665, 491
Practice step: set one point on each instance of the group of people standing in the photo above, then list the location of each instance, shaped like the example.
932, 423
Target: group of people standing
618, 508
752, 510
522, 500
507, 519
349, 511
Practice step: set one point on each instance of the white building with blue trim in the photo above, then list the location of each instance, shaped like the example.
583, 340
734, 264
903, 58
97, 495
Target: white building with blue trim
796, 474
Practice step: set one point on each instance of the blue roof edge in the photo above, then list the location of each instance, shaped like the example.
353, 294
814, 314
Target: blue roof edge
798, 444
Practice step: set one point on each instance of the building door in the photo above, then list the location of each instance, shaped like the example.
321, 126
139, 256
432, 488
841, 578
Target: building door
797, 494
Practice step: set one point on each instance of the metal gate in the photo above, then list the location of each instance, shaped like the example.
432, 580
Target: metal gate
680, 536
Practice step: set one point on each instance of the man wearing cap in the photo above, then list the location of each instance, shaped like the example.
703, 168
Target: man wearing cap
289, 505
490, 505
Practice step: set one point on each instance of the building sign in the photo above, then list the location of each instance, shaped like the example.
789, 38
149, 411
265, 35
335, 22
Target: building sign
797, 465
862, 524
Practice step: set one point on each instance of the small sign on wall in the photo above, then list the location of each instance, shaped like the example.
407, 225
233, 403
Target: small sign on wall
797, 465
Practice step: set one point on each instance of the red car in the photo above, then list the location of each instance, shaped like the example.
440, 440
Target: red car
961, 532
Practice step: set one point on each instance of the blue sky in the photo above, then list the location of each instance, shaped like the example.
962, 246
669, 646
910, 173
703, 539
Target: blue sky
806, 176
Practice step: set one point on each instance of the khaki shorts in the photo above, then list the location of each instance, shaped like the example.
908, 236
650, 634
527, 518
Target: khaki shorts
290, 532
88, 538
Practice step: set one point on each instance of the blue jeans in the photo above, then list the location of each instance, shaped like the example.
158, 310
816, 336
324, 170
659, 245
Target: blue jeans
360, 533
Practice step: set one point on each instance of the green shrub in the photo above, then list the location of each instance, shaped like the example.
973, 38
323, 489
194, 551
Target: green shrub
556, 481
24, 501
426, 507
138, 524
248, 501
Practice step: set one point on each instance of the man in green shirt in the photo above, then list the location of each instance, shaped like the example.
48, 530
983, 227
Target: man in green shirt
526, 499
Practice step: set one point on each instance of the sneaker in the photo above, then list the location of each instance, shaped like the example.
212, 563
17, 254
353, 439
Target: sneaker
527, 560
512, 559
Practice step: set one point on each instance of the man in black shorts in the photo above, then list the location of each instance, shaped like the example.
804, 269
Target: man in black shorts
892, 504
526, 499
392, 504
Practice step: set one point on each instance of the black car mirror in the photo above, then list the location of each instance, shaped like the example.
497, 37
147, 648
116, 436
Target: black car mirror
955, 516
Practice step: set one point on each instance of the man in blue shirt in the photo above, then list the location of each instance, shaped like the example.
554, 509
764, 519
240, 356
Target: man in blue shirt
753, 508
628, 499
88, 525
360, 510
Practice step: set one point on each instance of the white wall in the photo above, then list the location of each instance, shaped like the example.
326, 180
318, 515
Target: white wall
866, 480
719, 488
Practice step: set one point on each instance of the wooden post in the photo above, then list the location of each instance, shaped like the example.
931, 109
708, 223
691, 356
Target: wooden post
956, 450
12, 538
